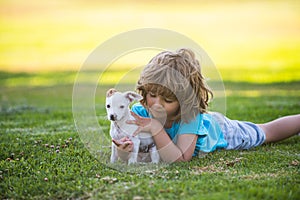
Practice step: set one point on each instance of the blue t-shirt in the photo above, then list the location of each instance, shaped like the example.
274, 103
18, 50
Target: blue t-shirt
210, 136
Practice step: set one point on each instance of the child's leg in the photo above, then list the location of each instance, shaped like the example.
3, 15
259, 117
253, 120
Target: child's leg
281, 128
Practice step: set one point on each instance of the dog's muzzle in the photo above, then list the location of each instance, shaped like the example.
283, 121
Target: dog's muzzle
112, 117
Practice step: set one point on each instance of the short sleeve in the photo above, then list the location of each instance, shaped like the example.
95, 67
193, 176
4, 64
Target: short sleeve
210, 136
193, 127
140, 110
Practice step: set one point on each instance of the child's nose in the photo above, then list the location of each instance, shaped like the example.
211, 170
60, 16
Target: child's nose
158, 100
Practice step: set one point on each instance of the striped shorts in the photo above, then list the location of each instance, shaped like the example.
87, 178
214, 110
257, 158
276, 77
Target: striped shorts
240, 134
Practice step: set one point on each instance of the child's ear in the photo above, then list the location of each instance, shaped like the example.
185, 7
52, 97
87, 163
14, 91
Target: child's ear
131, 96
110, 92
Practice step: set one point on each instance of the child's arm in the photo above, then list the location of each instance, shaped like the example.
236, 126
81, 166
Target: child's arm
169, 152
181, 151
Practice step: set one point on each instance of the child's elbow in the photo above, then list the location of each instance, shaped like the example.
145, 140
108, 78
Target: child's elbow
184, 159
177, 158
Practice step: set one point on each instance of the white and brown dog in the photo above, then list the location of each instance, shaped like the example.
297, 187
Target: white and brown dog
118, 112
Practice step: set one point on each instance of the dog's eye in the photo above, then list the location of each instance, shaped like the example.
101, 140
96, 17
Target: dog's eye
122, 106
107, 106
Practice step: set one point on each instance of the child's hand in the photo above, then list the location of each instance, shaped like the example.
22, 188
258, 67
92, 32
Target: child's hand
145, 124
124, 144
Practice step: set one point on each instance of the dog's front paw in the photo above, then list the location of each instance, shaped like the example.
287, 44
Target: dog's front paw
113, 159
155, 158
132, 161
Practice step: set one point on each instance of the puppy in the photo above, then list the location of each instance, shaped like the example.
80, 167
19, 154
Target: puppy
118, 112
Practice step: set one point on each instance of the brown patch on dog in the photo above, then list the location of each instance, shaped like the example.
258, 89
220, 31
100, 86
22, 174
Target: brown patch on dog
110, 92
131, 96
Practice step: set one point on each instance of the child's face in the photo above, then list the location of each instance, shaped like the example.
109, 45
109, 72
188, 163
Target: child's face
161, 107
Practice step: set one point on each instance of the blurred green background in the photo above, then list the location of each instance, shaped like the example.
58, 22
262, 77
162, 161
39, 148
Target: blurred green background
252, 41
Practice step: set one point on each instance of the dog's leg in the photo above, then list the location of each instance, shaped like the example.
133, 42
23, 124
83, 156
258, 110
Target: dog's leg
114, 153
134, 154
154, 155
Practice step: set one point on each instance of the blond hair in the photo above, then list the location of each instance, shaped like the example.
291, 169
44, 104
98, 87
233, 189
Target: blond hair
177, 76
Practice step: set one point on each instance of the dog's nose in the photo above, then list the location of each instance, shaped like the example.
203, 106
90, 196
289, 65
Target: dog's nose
112, 117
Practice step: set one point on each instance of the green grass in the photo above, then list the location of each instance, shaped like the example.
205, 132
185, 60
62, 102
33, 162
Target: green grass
43, 157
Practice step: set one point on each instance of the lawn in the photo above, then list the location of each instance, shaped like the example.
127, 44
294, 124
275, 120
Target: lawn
43, 156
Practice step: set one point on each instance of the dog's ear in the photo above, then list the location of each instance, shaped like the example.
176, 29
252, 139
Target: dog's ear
110, 92
131, 96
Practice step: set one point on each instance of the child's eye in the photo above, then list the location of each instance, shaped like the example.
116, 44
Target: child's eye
168, 100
